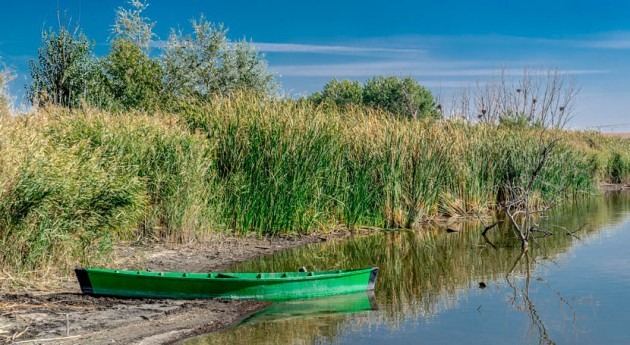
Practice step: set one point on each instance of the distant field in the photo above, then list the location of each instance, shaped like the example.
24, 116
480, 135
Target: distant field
625, 135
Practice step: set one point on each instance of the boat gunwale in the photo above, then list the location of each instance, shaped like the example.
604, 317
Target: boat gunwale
316, 275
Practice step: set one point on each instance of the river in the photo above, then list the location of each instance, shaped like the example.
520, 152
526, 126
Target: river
439, 287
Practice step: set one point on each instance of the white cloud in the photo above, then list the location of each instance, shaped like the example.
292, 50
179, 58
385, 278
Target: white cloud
414, 68
607, 44
328, 49
609, 40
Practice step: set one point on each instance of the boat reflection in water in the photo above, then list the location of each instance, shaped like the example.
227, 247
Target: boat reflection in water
315, 307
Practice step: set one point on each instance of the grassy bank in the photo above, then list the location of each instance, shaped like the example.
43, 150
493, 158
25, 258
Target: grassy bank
73, 183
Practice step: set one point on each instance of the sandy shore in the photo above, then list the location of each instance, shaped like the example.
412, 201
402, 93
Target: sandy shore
61, 315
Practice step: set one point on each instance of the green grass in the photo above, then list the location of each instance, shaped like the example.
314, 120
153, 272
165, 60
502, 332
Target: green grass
74, 183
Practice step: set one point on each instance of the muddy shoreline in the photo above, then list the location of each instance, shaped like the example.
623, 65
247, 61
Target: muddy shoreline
59, 314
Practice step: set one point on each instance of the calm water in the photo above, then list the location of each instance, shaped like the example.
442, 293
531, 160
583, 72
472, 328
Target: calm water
567, 290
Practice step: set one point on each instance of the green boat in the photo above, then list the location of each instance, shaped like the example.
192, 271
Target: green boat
256, 286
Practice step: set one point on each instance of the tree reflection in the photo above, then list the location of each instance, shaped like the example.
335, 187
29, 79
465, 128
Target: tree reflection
522, 301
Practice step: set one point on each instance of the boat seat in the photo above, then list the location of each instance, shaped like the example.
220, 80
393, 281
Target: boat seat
223, 275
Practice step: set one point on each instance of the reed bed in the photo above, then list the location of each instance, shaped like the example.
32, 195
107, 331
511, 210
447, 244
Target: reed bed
72, 183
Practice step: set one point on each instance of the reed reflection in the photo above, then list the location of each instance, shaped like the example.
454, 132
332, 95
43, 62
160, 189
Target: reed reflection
428, 271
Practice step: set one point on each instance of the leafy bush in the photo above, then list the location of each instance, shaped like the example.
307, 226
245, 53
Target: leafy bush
618, 169
510, 119
134, 79
401, 96
341, 93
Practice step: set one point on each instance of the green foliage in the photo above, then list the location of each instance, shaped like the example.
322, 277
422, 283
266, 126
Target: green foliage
201, 65
207, 63
131, 26
134, 79
285, 167
57, 203
618, 169
341, 93
75, 182
244, 69
400, 96
65, 72
521, 120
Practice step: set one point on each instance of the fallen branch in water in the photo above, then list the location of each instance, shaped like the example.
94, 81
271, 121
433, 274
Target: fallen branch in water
485, 231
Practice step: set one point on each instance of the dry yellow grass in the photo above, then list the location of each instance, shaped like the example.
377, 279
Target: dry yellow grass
623, 135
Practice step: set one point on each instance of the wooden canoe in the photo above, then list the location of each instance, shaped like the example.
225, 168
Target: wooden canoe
257, 286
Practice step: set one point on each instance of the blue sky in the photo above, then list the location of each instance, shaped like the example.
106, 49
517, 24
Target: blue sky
444, 44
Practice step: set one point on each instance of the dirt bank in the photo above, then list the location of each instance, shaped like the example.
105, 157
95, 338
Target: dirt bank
59, 314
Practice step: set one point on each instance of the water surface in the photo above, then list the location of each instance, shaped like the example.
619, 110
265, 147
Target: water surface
569, 288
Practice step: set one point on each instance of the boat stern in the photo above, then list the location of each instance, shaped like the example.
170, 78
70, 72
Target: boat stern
372, 280
84, 281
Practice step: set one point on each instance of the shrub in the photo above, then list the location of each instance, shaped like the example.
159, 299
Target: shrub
401, 96
341, 93
134, 79
618, 170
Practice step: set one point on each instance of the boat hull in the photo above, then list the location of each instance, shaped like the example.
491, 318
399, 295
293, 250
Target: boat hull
256, 286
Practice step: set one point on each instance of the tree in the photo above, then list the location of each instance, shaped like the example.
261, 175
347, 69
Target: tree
130, 25
134, 79
243, 69
538, 97
341, 93
207, 63
401, 96
65, 71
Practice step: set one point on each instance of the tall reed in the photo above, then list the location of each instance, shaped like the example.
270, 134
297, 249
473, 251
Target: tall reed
73, 183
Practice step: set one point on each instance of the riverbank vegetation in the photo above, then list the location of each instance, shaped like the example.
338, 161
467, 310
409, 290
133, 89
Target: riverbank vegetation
76, 181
